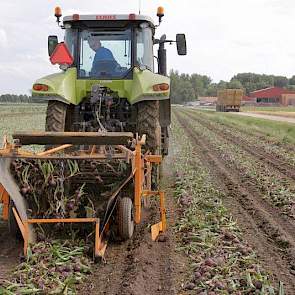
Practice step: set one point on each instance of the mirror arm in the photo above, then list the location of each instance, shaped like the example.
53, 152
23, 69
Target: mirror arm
166, 41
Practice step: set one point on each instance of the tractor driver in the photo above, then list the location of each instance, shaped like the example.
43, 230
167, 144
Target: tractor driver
104, 61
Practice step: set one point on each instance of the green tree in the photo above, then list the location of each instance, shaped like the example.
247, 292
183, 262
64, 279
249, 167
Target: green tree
234, 84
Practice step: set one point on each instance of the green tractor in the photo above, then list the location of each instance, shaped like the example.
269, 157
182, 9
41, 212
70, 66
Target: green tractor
108, 80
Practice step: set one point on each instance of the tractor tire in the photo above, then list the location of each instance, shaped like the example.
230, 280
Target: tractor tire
13, 228
56, 116
148, 122
125, 218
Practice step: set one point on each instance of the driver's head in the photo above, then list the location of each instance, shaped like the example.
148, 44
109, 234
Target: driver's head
94, 42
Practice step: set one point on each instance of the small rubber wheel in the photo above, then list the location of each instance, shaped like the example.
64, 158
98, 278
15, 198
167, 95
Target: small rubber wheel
125, 218
13, 228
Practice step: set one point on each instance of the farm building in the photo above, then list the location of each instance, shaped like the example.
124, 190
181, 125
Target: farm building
274, 95
288, 99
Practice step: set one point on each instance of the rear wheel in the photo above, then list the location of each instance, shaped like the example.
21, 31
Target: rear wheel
56, 116
125, 218
148, 122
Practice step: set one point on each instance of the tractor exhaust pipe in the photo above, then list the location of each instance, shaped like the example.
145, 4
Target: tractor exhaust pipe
162, 57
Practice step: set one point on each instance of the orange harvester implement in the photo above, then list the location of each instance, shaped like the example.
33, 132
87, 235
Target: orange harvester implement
94, 148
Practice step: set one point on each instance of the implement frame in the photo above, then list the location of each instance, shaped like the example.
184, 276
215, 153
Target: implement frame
141, 173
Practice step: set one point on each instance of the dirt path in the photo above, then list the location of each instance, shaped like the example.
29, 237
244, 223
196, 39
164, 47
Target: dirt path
271, 235
268, 117
9, 253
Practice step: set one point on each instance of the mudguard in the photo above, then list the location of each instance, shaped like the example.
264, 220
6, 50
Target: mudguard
67, 88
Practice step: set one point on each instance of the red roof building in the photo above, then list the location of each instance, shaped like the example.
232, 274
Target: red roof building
270, 94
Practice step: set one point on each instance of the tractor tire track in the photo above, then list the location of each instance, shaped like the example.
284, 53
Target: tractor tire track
272, 236
259, 153
148, 269
139, 266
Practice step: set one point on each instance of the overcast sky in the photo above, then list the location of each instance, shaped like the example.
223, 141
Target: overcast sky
223, 37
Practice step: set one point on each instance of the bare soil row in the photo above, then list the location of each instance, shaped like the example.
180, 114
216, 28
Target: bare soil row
140, 266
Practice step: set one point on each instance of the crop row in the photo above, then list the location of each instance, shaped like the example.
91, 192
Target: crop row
274, 137
221, 262
50, 268
281, 151
272, 185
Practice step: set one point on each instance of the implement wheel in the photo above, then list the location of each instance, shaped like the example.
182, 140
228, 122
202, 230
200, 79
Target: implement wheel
125, 218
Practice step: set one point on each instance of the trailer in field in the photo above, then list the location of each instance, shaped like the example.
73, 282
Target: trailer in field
229, 100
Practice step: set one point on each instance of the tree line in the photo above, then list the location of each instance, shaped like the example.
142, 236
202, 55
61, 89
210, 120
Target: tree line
185, 87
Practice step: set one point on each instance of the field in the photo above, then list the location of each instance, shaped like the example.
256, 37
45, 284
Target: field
230, 185
21, 117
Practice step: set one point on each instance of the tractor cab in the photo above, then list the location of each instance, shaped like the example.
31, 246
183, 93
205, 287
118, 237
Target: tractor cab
110, 46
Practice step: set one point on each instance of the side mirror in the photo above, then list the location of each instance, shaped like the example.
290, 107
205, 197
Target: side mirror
52, 43
181, 44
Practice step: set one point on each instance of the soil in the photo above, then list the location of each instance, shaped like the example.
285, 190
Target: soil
266, 230
10, 250
141, 266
